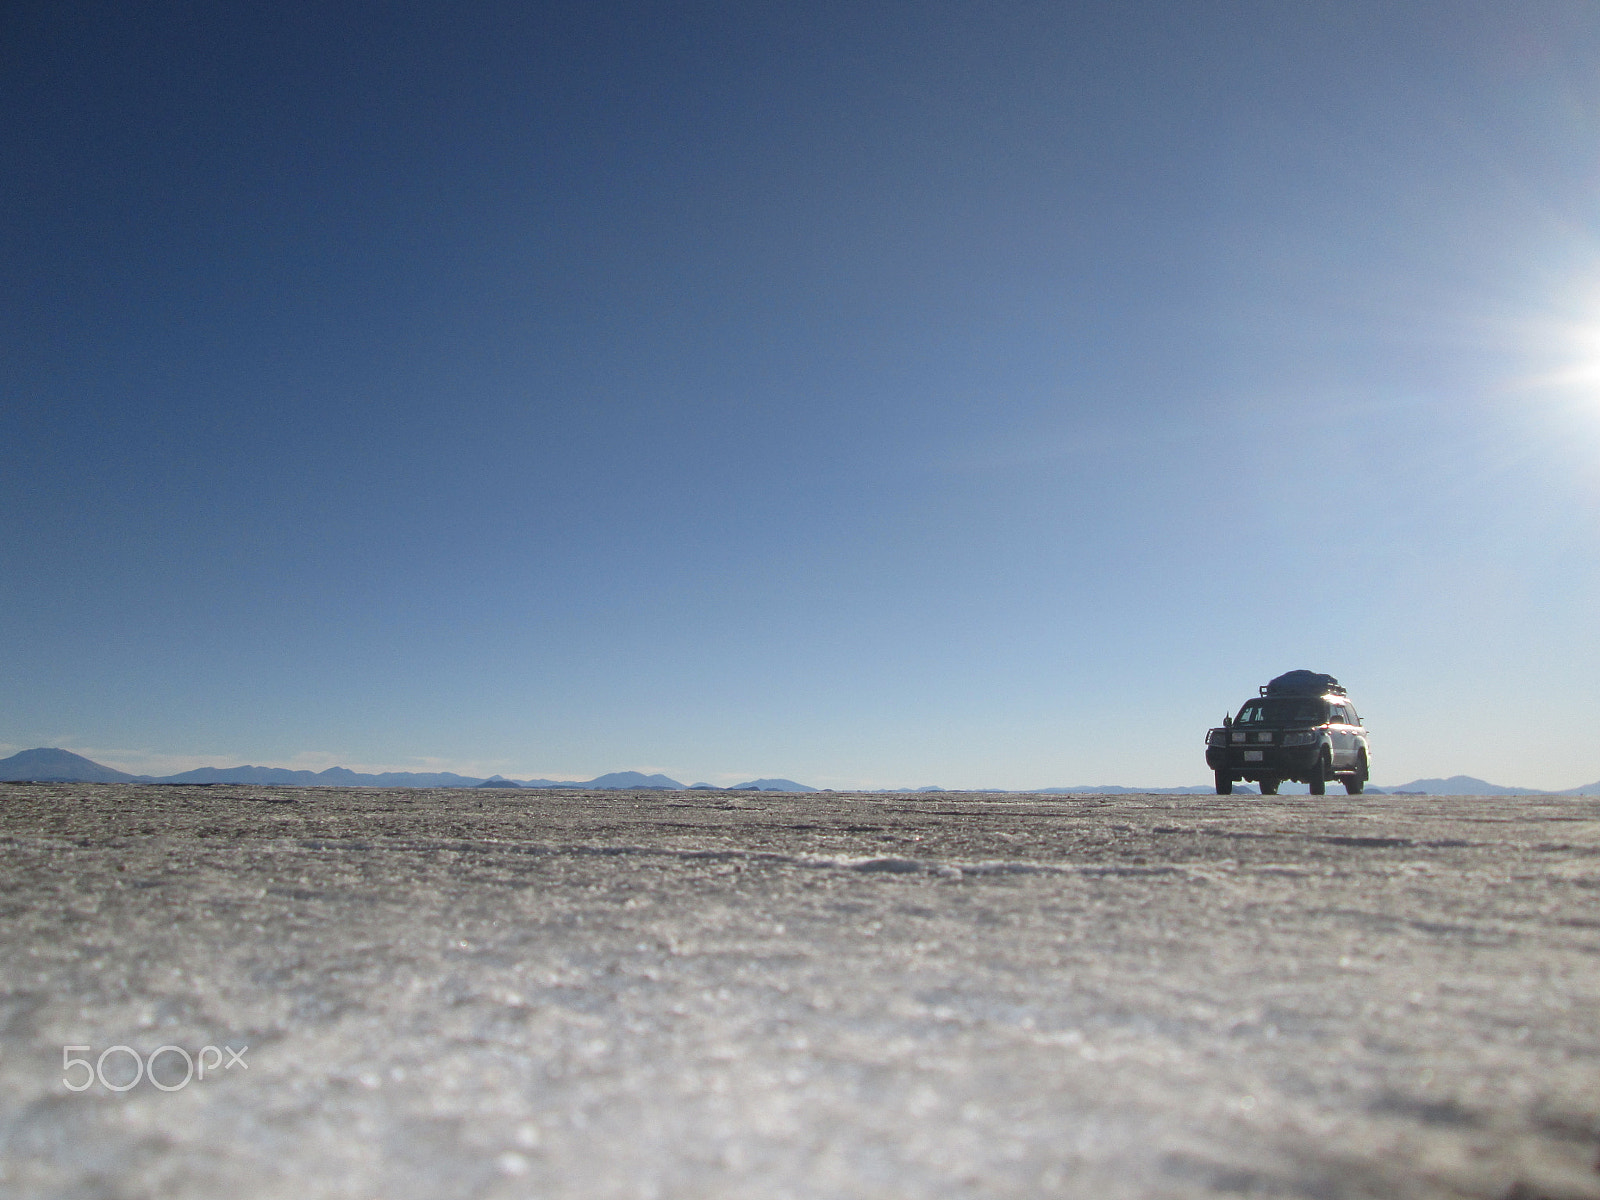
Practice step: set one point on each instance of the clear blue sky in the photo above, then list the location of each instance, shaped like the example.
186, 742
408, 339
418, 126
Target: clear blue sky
871, 394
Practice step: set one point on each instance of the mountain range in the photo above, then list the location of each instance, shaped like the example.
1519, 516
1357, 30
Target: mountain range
48, 765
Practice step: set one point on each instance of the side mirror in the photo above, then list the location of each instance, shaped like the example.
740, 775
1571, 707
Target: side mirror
1226, 720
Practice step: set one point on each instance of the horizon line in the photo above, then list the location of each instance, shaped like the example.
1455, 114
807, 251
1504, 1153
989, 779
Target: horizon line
547, 783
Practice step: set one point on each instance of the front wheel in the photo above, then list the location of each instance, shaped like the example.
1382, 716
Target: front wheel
1319, 777
1269, 787
1224, 784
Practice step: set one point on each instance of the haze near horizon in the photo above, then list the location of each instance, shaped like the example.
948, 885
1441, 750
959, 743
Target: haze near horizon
865, 395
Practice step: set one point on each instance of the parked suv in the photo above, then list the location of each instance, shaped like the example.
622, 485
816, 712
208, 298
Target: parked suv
1302, 727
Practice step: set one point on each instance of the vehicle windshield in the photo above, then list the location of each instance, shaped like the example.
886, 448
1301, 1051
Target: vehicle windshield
1283, 712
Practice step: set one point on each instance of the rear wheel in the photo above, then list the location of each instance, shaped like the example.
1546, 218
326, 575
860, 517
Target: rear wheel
1269, 787
1224, 784
1357, 783
1319, 776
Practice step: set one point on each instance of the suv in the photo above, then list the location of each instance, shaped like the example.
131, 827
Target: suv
1301, 727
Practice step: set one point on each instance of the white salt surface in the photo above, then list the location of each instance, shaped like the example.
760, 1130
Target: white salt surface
503, 994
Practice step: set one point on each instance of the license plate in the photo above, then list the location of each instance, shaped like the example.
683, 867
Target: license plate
1252, 755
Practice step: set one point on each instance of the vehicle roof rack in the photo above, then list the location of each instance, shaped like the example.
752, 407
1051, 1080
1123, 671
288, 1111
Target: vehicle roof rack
1303, 683
1333, 689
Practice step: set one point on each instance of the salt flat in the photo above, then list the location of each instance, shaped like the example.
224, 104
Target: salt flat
595, 994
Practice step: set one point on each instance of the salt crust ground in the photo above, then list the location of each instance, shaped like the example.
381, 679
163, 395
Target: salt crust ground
465, 994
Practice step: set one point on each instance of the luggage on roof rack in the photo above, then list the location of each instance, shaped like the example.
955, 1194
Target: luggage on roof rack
1302, 683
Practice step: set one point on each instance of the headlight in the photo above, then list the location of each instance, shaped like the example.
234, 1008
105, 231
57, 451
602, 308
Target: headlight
1217, 737
1302, 737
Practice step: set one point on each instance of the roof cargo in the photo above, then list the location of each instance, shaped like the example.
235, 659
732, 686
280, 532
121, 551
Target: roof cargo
1303, 683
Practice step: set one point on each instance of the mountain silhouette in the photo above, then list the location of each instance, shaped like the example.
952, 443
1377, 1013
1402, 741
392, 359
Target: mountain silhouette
63, 766
332, 777
630, 779
1460, 785
50, 765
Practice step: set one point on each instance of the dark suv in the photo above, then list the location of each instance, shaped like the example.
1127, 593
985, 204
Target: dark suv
1301, 727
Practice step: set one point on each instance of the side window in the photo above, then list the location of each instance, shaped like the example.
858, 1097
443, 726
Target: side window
1354, 720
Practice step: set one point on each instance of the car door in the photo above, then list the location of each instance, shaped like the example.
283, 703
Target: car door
1342, 736
1358, 737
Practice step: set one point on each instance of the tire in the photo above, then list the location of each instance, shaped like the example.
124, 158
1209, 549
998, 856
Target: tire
1319, 777
1224, 785
1357, 783
1269, 787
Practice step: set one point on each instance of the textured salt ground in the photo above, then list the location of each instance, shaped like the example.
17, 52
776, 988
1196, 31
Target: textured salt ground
615, 995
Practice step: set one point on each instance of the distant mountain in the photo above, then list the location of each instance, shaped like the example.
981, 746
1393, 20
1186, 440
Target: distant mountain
771, 785
616, 780
67, 767
498, 781
704, 787
59, 765
630, 779
332, 777
1458, 785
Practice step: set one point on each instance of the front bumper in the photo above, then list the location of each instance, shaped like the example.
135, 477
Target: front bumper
1259, 762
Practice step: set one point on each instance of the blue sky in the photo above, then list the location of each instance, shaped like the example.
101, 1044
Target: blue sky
981, 394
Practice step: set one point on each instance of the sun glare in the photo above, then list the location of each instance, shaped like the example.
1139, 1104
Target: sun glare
1579, 350
1566, 348
1553, 400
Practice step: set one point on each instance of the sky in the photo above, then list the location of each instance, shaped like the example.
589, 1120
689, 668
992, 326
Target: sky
985, 394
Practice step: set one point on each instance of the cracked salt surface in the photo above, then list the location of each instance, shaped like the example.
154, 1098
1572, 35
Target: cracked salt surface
446, 994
